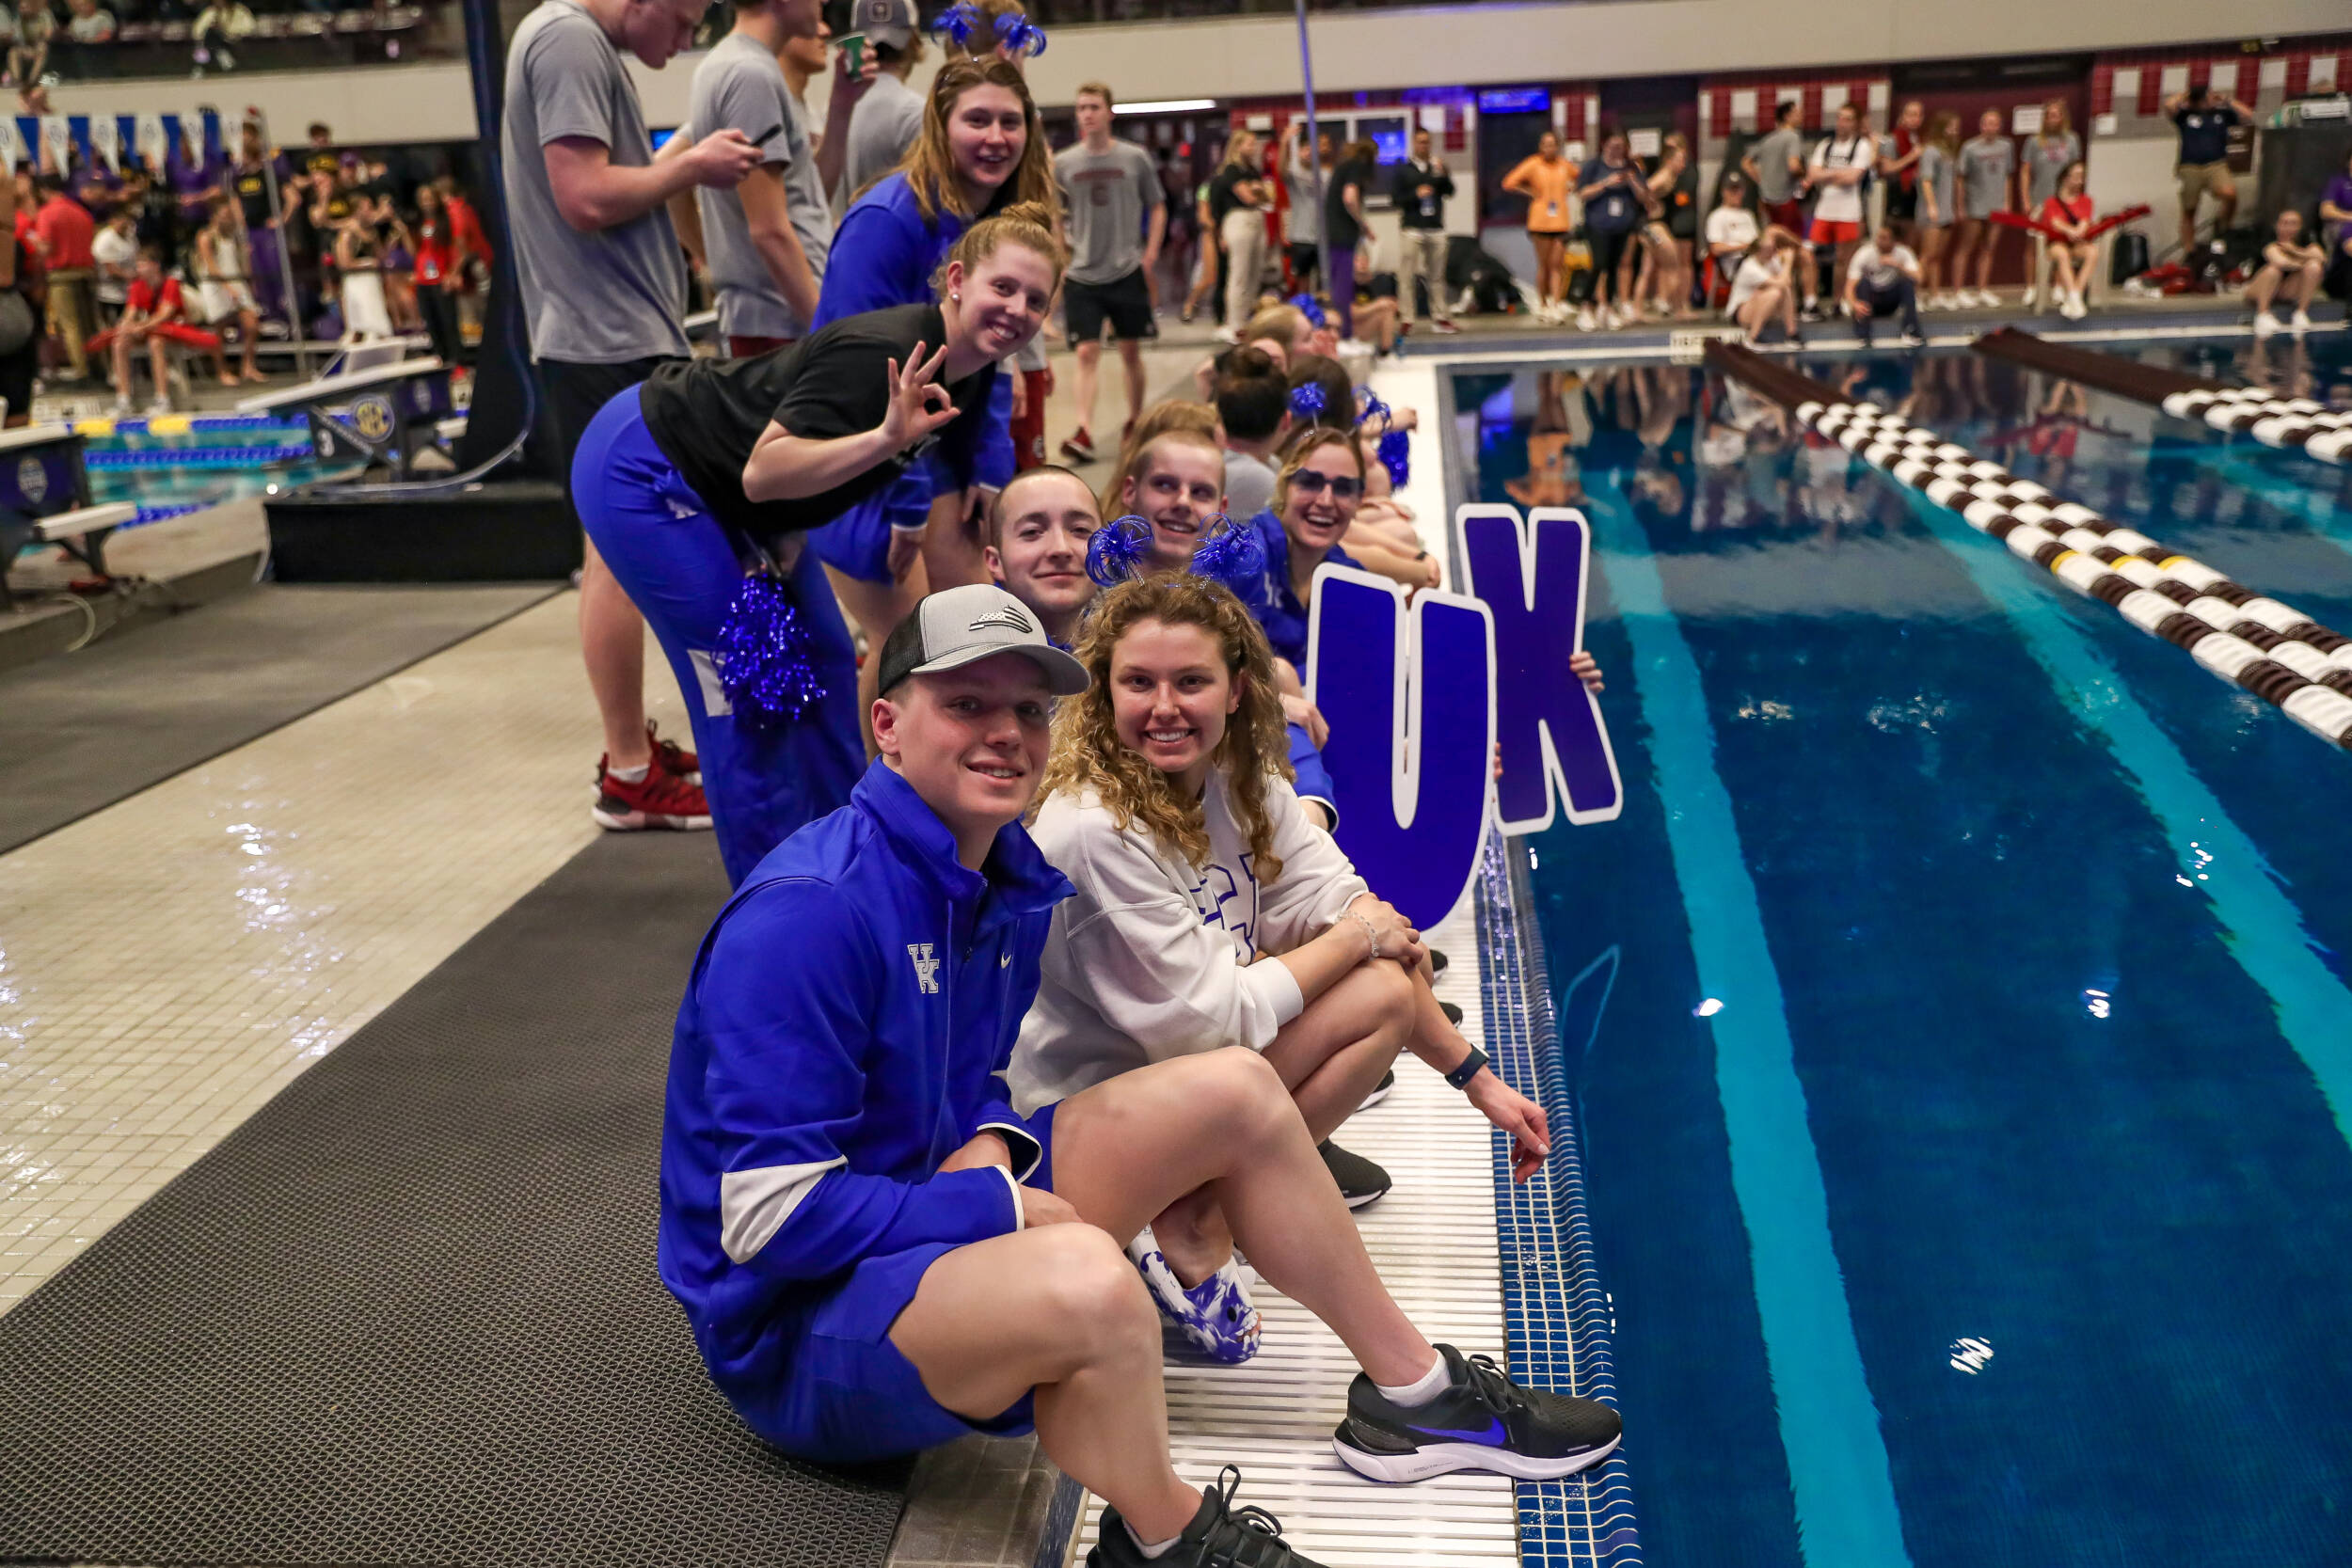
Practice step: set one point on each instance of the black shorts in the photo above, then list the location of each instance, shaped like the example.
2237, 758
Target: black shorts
1124, 302
1903, 203
570, 395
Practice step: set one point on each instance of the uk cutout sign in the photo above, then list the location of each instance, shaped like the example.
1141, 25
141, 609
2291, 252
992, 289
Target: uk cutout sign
1422, 694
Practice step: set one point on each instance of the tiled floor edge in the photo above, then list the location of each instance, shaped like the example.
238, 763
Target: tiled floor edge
1559, 1316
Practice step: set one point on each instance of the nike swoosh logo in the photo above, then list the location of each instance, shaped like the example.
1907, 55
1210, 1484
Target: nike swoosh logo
1494, 1436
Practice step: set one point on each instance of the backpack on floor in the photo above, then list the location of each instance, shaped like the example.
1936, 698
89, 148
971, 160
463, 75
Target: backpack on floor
1471, 267
2130, 258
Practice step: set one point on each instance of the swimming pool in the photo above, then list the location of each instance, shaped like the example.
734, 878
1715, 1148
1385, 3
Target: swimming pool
182, 464
1953, 1012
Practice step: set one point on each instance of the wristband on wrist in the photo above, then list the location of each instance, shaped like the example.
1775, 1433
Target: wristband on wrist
1472, 1064
1370, 935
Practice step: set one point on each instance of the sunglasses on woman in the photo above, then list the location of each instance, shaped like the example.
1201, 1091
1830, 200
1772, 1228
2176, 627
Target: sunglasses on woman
1308, 482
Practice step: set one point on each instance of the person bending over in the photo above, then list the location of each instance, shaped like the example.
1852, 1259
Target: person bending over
713, 468
877, 1253
1882, 280
2291, 270
1037, 533
1209, 913
1762, 288
982, 149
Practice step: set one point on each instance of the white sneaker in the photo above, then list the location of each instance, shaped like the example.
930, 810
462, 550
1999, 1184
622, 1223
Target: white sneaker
2299, 323
1661, 307
161, 406
1946, 302
2072, 308
1228, 335
2266, 324
1586, 321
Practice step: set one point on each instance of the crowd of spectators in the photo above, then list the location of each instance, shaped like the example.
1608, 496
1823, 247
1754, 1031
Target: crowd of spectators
80, 38
365, 253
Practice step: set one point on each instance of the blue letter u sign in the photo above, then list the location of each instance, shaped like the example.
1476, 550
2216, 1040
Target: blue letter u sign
1531, 576
1409, 696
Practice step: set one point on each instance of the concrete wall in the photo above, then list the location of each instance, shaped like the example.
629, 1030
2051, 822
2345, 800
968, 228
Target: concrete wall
1359, 51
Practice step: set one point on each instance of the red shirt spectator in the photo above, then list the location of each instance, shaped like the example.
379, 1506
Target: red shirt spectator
2059, 210
433, 252
466, 228
64, 230
145, 298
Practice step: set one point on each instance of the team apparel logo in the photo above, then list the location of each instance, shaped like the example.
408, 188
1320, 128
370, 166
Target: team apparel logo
925, 967
1009, 616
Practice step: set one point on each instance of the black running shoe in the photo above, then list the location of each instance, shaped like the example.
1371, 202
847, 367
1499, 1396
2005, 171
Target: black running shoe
1452, 1013
1219, 1536
1360, 1180
1437, 961
1485, 1421
1379, 1091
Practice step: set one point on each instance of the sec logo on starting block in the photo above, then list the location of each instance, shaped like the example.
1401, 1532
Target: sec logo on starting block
371, 416
32, 480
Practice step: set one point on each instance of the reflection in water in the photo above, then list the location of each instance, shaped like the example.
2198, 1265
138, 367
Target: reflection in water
1700, 457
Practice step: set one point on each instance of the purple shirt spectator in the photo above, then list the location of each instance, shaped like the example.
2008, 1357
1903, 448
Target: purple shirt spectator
191, 183
99, 189
2339, 196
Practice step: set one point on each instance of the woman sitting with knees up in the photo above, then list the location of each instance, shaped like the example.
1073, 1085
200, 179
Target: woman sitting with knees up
1209, 914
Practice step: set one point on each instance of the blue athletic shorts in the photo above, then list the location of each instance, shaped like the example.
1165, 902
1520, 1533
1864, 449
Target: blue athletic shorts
857, 543
847, 1395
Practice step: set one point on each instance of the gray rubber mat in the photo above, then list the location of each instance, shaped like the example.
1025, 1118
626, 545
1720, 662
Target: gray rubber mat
408, 1314
79, 732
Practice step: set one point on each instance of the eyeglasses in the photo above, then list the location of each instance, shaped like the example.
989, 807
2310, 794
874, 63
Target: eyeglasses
1308, 482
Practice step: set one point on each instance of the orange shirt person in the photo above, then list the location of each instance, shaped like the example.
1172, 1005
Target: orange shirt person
1544, 178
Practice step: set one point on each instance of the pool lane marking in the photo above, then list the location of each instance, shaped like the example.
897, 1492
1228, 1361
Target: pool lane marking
2259, 926
1847, 1516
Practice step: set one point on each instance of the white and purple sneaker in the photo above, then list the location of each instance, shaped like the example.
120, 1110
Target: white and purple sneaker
1216, 1317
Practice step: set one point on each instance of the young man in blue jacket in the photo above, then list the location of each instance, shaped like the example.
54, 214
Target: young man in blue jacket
878, 1253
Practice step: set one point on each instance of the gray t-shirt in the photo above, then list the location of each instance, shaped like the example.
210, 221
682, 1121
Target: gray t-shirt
1248, 486
1107, 196
1303, 223
1935, 175
882, 126
1772, 163
590, 299
1987, 167
740, 86
2044, 161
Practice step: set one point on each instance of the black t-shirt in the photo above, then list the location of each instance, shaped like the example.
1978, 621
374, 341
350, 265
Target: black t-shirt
1682, 205
1338, 222
2206, 133
1221, 197
251, 185
707, 414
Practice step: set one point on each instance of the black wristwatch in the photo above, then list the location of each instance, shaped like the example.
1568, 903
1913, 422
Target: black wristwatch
1471, 1066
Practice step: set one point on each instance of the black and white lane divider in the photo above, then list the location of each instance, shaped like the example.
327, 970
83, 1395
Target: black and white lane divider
2275, 421
2270, 649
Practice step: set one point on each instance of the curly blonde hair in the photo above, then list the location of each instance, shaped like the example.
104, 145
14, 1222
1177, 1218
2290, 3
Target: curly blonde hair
1088, 754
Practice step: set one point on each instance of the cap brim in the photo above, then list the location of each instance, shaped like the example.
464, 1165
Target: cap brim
1064, 675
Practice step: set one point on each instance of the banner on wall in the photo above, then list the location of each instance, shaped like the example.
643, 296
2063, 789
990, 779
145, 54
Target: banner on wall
1427, 695
106, 140
153, 141
57, 142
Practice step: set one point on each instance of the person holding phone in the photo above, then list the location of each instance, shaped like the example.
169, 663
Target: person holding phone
1611, 189
714, 469
602, 276
1421, 188
890, 117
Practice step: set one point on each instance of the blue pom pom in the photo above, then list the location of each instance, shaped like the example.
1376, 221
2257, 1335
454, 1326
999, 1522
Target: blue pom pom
957, 22
1307, 400
1371, 407
1312, 309
1396, 455
1118, 550
1230, 554
765, 657
1020, 35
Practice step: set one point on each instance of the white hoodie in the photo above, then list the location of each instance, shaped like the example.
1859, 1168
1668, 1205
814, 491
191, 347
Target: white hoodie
1155, 958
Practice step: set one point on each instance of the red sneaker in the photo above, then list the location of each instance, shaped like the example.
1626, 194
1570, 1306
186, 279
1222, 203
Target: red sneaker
675, 758
660, 799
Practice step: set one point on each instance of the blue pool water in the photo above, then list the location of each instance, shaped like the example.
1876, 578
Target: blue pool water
1961, 1150
181, 472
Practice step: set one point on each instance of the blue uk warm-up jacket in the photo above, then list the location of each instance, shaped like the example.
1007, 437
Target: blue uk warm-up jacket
841, 1035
